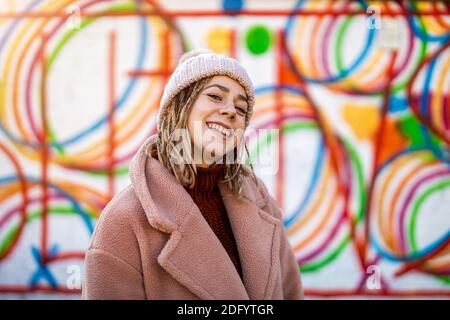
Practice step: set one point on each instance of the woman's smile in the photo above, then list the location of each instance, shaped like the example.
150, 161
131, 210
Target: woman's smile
221, 129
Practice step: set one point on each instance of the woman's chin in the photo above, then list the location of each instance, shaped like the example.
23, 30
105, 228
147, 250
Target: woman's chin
217, 151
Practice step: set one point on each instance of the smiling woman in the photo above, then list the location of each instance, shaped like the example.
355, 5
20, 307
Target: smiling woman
195, 223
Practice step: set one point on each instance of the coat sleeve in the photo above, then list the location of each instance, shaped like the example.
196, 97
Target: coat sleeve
109, 277
290, 270
113, 268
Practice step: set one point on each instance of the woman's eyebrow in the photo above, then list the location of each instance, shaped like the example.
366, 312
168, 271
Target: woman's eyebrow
225, 89
242, 98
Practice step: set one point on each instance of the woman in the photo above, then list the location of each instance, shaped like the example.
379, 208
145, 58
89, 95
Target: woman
194, 223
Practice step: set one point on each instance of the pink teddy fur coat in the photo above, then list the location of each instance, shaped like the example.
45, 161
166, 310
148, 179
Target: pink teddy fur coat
152, 242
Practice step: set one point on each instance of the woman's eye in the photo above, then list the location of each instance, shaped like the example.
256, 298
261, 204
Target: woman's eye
215, 97
241, 110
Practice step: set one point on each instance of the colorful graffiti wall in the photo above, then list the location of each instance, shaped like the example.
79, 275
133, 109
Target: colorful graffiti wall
359, 91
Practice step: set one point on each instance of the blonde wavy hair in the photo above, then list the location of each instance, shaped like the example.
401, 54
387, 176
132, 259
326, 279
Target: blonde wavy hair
176, 117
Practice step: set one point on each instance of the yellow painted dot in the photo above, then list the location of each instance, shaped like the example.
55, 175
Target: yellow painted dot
219, 40
362, 119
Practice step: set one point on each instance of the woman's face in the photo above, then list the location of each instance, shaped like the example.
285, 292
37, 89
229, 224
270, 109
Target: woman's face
217, 119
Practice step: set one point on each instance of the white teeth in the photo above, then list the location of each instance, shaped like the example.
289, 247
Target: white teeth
223, 130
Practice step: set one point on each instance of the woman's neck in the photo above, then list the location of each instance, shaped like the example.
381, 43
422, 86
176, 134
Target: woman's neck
207, 177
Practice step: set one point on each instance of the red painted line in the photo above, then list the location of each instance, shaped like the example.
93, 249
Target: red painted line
376, 157
25, 201
166, 55
419, 263
365, 276
380, 293
112, 103
233, 42
44, 151
143, 73
38, 289
344, 176
221, 13
439, 19
279, 191
165, 61
66, 256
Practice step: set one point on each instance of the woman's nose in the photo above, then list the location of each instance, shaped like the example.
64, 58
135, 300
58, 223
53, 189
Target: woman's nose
229, 111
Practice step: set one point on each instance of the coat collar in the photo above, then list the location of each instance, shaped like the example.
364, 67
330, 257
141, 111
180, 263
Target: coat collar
193, 255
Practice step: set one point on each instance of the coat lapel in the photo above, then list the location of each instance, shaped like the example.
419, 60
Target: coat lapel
257, 235
195, 257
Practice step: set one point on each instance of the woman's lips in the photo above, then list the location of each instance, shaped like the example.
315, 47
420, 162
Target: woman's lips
224, 129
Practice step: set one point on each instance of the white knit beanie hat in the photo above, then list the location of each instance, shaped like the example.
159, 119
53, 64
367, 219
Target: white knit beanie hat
202, 63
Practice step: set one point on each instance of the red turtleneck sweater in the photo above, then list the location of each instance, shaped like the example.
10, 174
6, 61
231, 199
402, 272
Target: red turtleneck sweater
209, 200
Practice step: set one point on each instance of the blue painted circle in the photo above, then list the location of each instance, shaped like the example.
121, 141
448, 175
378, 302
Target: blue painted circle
232, 5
